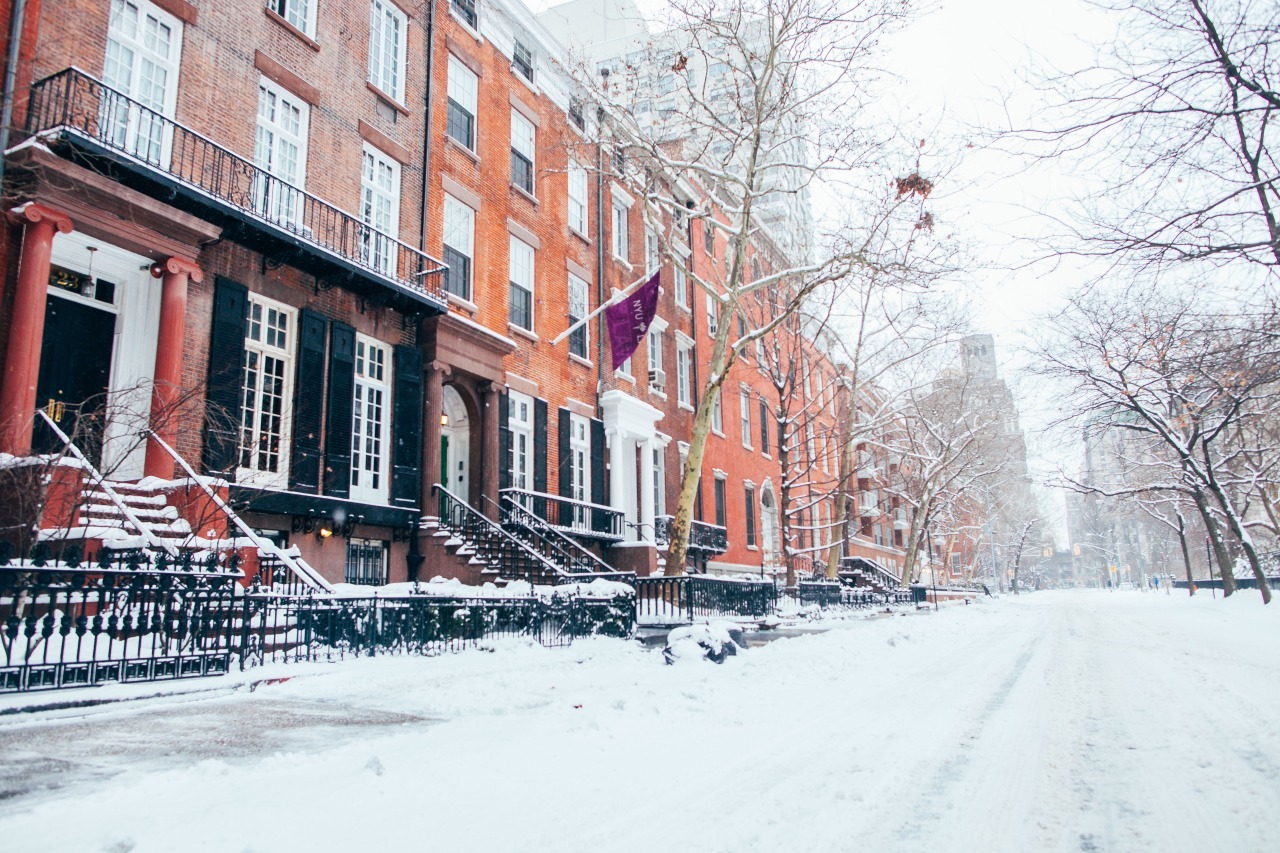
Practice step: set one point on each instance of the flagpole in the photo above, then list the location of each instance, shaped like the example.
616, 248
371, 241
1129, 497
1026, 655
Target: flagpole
617, 295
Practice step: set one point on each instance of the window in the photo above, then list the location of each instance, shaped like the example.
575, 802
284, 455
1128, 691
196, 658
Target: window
819, 390
387, 26
577, 197
809, 441
651, 256
708, 238
380, 209
576, 115
659, 480
764, 427
466, 10
522, 60
826, 452
463, 87
578, 308
580, 468
144, 44
717, 414
369, 421
280, 150
520, 422
366, 562
744, 415
750, 506
681, 285
521, 269
742, 326
459, 234
267, 390
720, 502
684, 360
300, 13
657, 373
619, 230
713, 314
522, 142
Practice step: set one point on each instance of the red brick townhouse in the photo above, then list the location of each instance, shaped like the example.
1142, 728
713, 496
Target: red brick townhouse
321, 248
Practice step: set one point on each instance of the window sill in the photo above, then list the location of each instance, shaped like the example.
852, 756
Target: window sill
625, 377
474, 33
685, 308
393, 102
529, 84
577, 359
623, 262
528, 195
465, 304
583, 237
748, 447
292, 30
458, 146
658, 392
523, 332
685, 406
717, 432
752, 548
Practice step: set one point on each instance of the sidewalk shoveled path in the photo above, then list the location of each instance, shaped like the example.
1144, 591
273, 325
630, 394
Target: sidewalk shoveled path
1072, 721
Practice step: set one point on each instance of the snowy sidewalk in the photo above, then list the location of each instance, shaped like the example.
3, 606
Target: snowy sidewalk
1053, 721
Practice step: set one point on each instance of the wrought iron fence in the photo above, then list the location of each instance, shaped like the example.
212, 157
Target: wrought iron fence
492, 544
703, 537
671, 600
102, 120
575, 517
819, 593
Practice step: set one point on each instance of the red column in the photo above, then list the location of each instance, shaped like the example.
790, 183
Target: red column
26, 332
166, 388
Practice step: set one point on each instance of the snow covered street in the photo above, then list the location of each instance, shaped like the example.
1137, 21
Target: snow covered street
1081, 721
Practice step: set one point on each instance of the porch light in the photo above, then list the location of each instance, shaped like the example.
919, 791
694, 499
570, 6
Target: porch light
444, 420
324, 531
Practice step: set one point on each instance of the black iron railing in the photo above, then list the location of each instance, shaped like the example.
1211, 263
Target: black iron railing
820, 593
71, 624
496, 547
550, 542
670, 600
193, 170
704, 538
576, 518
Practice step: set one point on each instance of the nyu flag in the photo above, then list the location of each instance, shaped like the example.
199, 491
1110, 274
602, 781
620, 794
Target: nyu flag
629, 319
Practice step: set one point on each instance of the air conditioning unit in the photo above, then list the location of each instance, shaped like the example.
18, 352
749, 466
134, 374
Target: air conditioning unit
658, 377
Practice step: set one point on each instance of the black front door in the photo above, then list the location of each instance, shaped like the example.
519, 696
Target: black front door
75, 367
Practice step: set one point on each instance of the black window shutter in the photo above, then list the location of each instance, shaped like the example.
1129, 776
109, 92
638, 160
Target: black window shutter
504, 445
566, 456
224, 399
342, 378
540, 455
304, 470
406, 428
597, 474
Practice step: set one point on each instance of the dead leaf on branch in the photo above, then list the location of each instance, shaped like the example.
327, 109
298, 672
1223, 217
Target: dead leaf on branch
913, 184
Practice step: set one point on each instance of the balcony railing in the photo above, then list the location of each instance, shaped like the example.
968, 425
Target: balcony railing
156, 155
704, 538
576, 518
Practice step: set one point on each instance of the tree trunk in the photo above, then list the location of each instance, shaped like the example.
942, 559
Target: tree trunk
1186, 553
1215, 542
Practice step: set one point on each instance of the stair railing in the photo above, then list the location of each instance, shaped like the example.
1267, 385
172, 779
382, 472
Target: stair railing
101, 482
490, 541
577, 559
300, 569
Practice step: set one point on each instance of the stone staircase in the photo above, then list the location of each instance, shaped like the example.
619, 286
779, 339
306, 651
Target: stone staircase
101, 518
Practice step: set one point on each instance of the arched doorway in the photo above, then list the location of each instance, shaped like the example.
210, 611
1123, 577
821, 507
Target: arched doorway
455, 444
768, 527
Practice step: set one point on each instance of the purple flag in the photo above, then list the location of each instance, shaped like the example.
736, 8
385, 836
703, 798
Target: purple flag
629, 320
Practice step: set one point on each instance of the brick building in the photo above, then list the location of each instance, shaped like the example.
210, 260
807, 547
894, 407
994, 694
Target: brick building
321, 250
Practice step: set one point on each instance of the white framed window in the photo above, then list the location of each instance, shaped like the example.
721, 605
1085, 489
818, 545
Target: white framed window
523, 140
522, 60
520, 422
577, 197
651, 253
459, 239
657, 362
659, 479
300, 13
684, 367
620, 230
579, 306
826, 452
744, 415
713, 314
580, 468
520, 264
463, 88
380, 210
810, 443
144, 45
371, 397
280, 150
387, 26
267, 393
681, 284
466, 10
717, 415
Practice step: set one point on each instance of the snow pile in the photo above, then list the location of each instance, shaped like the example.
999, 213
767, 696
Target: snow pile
713, 642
